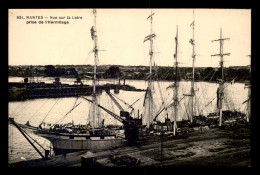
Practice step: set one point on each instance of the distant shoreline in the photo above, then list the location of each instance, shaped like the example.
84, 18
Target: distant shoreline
163, 73
114, 79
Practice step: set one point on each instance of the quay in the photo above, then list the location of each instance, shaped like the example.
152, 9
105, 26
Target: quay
226, 147
22, 91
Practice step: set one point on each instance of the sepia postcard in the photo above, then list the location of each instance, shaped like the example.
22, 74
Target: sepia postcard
129, 87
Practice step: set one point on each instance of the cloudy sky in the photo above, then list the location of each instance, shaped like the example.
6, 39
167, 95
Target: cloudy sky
121, 33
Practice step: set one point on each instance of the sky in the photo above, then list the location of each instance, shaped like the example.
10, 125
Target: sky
121, 33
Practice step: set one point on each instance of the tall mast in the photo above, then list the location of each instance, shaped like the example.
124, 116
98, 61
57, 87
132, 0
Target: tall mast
95, 50
192, 41
175, 99
221, 83
150, 37
150, 79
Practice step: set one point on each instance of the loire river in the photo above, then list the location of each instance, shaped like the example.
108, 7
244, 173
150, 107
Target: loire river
50, 110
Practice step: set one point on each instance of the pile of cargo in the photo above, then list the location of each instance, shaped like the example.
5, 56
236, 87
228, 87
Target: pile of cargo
124, 160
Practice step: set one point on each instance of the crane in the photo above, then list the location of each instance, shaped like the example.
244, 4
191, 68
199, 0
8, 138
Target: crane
131, 125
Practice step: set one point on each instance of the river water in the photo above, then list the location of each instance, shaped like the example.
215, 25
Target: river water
50, 110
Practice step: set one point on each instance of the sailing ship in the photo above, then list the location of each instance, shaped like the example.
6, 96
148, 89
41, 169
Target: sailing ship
224, 113
148, 99
169, 126
150, 122
193, 120
93, 136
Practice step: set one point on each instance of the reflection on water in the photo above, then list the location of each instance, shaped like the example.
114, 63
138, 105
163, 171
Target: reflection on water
19, 148
50, 110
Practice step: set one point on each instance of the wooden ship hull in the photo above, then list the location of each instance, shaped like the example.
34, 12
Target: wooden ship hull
66, 143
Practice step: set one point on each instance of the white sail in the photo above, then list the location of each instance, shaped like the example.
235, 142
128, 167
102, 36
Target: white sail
149, 111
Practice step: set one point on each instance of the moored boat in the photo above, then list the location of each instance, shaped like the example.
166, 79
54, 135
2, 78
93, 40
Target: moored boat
94, 136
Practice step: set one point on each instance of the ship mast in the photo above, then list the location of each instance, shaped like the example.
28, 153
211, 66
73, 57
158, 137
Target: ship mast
175, 98
149, 90
221, 83
150, 73
95, 50
192, 41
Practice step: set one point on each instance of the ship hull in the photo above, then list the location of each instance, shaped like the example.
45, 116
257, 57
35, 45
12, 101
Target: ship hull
74, 143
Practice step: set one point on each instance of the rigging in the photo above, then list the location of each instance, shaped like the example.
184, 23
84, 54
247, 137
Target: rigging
221, 83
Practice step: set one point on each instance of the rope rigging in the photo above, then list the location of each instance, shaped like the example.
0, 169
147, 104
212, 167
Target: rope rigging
208, 75
16, 109
32, 139
60, 120
24, 105
159, 87
160, 90
215, 97
25, 135
226, 102
163, 100
112, 107
198, 101
212, 76
129, 106
165, 108
137, 101
165, 75
50, 110
161, 96
204, 90
38, 110
199, 104
184, 110
229, 100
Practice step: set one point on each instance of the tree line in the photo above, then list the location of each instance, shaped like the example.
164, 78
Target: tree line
49, 71
136, 73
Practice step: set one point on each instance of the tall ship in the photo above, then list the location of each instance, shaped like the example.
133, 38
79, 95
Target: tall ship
151, 114
194, 114
93, 136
